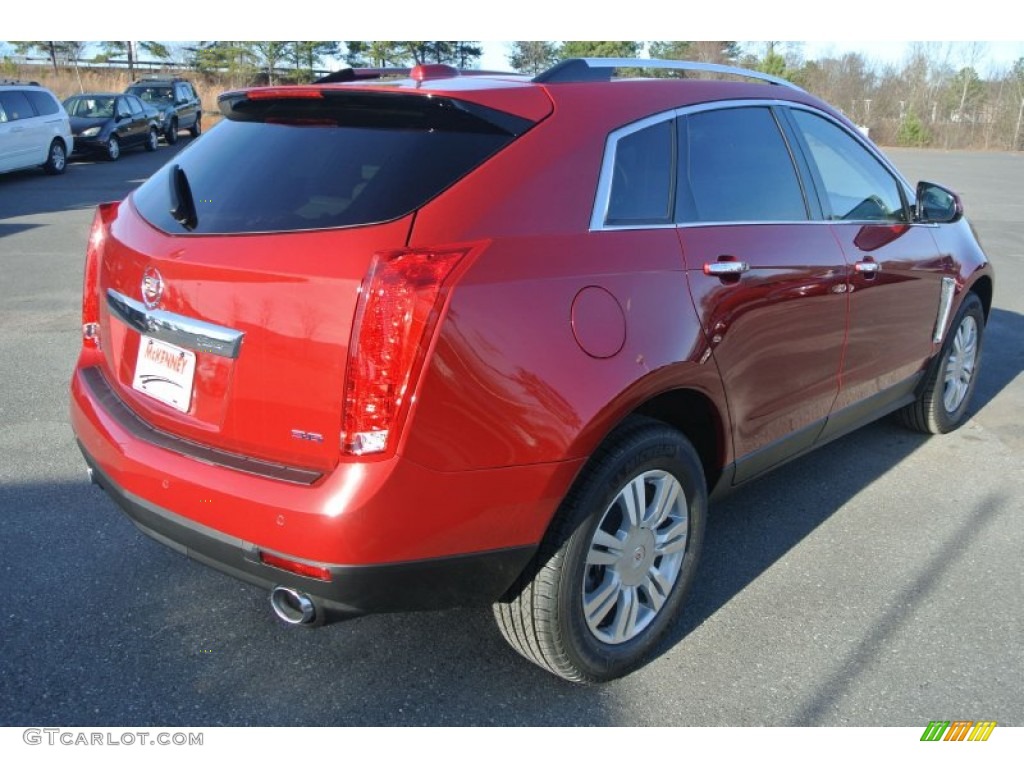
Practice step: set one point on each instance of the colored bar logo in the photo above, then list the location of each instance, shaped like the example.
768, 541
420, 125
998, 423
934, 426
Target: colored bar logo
958, 730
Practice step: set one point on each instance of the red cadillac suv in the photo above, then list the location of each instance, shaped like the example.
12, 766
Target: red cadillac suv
388, 345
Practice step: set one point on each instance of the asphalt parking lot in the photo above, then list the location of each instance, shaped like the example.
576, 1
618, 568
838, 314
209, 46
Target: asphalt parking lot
876, 582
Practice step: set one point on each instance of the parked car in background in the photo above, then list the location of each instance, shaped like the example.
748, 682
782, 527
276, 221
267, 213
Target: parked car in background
495, 338
106, 123
34, 129
177, 102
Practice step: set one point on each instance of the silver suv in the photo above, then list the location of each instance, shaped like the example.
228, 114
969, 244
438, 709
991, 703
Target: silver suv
34, 129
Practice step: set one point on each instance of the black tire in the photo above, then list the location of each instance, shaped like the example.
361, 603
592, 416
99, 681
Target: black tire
197, 127
543, 615
112, 150
949, 383
152, 140
56, 158
172, 133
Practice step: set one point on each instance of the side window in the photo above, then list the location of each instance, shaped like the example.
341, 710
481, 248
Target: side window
857, 186
135, 104
734, 165
16, 105
43, 102
641, 191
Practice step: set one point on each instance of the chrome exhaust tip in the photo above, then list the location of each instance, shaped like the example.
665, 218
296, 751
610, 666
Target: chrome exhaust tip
291, 606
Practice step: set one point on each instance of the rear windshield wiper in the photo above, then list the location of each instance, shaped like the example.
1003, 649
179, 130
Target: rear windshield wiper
183, 205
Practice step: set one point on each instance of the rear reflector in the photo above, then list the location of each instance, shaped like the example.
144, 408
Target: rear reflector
294, 566
396, 314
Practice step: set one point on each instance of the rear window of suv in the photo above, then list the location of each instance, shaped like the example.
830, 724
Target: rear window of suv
343, 159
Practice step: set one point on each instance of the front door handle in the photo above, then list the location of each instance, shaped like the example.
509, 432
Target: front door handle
726, 268
867, 268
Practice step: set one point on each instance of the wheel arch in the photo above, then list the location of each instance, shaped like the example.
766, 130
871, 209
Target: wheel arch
692, 411
983, 288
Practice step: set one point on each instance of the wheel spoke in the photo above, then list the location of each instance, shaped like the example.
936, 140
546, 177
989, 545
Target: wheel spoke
673, 538
605, 549
634, 498
597, 604
664, 500
656, 586
627, 610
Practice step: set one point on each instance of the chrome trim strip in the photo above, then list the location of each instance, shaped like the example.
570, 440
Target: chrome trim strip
602, 197
127, 419
187, 332
945, 307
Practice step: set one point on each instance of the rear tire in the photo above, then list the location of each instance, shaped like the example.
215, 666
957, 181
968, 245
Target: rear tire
197, 127
152, 140
172, 133
617, 562
949, 384
56, 158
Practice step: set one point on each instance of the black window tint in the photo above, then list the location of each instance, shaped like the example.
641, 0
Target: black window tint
857, 185
43, 102
16, 105
316, 164
735, 166
642, 177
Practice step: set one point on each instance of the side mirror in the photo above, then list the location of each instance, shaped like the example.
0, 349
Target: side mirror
937, 205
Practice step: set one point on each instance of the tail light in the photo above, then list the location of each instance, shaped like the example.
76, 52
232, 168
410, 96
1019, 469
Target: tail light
98, 234
399, 304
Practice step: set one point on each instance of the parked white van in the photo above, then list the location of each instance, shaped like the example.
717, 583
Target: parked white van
34, 129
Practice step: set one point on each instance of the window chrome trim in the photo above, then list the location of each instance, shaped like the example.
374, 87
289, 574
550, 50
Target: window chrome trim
602, 196
173, 328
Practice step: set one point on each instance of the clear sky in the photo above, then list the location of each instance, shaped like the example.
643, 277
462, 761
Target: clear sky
994, 55
832, 27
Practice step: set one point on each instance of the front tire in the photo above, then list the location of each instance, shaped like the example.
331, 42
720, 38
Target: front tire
56, 158
113, 148
197, 127
152, 140
949, 384
172, 133
620, 556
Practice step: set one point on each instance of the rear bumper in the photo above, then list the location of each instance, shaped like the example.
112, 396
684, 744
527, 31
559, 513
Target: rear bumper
352, 590
394, 535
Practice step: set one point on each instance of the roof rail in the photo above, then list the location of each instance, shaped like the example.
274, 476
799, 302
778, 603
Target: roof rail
600, 70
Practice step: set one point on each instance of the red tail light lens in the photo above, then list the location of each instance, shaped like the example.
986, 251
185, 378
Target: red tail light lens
294, 566
91, 282
398, 308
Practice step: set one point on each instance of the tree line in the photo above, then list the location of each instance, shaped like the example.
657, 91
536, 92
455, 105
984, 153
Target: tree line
938, 96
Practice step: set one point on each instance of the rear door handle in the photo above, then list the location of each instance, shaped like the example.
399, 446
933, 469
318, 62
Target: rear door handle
867, 268
726, 268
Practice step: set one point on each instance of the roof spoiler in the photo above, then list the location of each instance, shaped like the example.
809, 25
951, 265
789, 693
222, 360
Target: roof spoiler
419, 73
602, 70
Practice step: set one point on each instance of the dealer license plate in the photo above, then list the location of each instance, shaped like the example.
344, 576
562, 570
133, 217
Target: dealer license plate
165, 372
